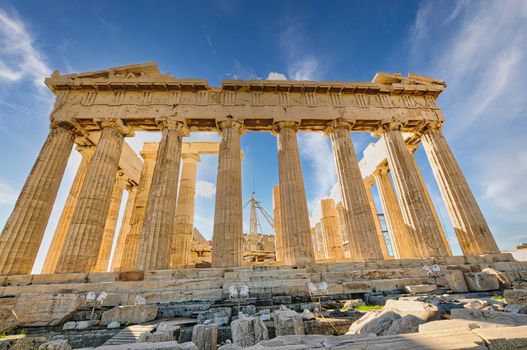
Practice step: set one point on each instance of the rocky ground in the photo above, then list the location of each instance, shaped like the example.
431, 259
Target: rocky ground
421, 319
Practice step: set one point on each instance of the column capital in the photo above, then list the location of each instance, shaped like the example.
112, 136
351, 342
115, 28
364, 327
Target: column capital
172, 123
56, 124
369, 182
85, 150
116, 124
190, 157
381, 170
432, 125
229, 123
286, 124
337, 124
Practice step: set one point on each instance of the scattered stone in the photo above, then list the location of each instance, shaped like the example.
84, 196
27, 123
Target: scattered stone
129, 314
288, 322
349, 304
170, 345
327, 326
456, 281
425, 311
33, 310
503, 280
480, 282
505, 318
516, 296
219, 315
55, 345
205, 337
139, 301
406, 324
307, 315
282, 299
420, 288
374, 322
113, 325
516, 308
69, 326
248, 332
249, 310
504, 338
80, 325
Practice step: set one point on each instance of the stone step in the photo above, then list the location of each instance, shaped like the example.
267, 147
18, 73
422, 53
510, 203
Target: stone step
130, 334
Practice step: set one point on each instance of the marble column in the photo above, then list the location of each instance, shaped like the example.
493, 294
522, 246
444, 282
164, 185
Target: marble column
294, 214
124, 230
402, 242
431, 203
416, 210
84, 236
111, 223
182, 239
156, 236
382, 241
341, 212
227, 241
133, 238
363, 238
279, 237
330, 226
59, 237
24, 229
471, 228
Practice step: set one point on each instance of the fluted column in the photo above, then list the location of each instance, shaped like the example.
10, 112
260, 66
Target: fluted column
293, 204
472, 231
431, 203
156, 236
341, 212
84, 236
382, 241
402, 242
24, 229
57, 243
133, 238
227, 241
279, 237
124, 229
416, 210
182, 239
363, 238
330, 226
111, 224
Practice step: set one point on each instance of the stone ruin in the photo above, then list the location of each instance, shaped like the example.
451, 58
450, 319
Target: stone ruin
335, 285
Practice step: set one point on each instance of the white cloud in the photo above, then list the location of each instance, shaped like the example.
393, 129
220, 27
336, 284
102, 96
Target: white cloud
19, 58
205, 189
276, 76
315, 147
304, 69
480, 50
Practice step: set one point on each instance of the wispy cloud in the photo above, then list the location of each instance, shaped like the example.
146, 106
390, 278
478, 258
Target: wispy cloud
480, 49
205, 189
8, 194
276, 76
19, 58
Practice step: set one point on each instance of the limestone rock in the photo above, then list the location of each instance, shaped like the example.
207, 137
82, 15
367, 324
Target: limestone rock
505, 318
248, 332
516, 308
504, 338
129, 314
374, 322
170, 345
69, 326
349, 304
481, 282
307, 315
55, 345
425, 311
8, 319
455, 324
35, 310
219, 315
503, 280
288, 322
113, 325
205, 337
516, 296
420, 288
456, 281
80, 325
406, 324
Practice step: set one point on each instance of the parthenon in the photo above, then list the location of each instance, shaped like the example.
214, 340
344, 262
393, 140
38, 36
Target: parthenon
97, 111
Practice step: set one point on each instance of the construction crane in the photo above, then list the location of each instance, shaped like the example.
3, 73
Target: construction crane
254, 221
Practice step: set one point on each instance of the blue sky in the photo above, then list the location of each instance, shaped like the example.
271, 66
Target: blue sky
478, 47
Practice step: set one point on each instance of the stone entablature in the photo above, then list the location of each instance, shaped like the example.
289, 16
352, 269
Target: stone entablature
138, 94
